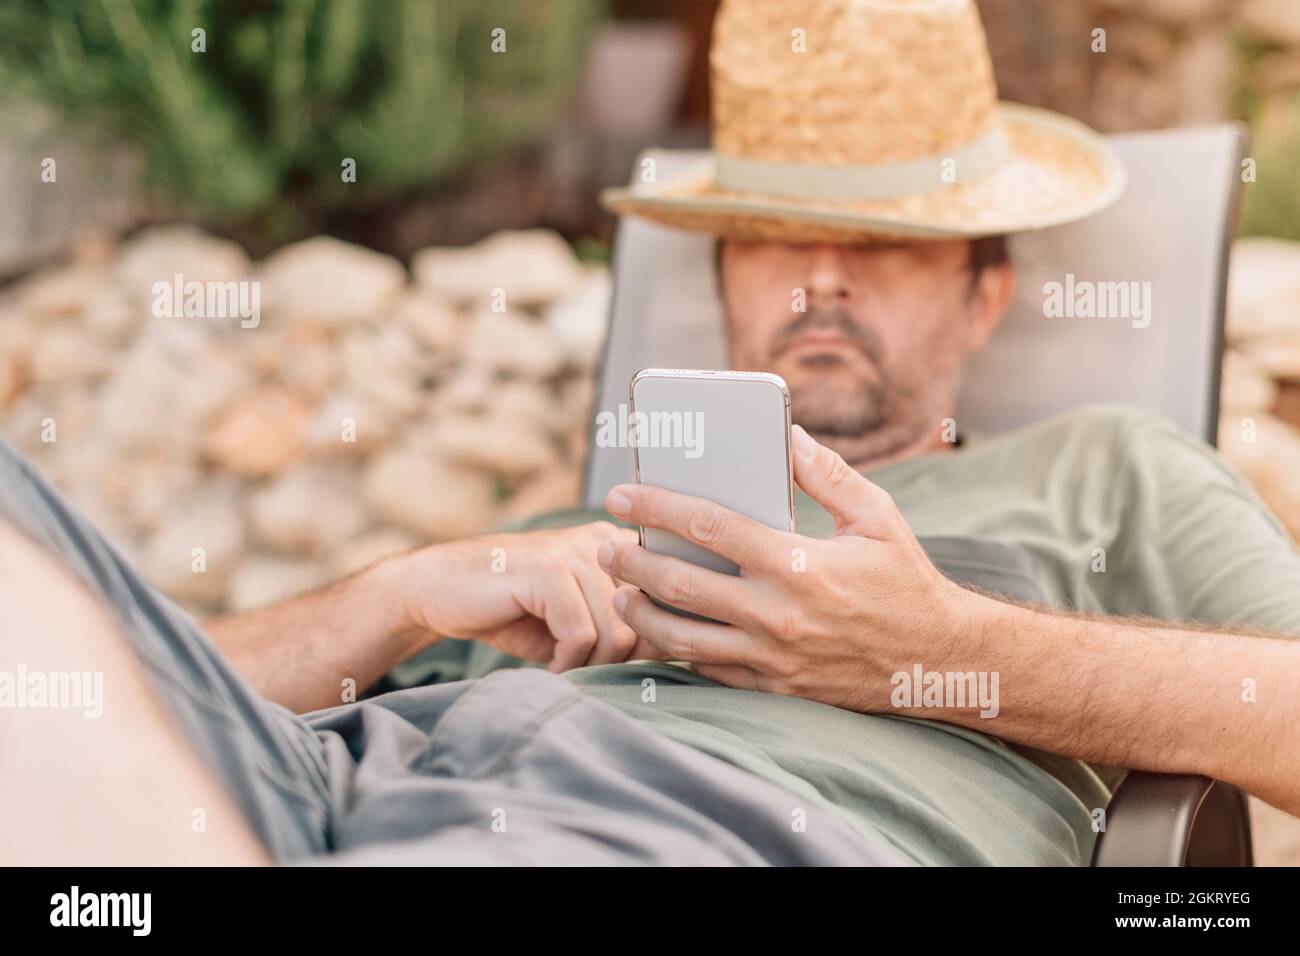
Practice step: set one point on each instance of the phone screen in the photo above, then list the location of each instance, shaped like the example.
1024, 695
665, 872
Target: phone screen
723, 436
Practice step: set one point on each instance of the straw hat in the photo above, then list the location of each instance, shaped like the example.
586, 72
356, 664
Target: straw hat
839, 120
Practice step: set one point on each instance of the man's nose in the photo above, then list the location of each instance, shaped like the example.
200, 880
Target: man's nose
828, 279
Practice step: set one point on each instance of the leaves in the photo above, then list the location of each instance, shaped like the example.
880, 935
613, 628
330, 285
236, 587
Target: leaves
260, 121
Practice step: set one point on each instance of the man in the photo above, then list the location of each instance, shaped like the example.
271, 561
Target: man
785, 742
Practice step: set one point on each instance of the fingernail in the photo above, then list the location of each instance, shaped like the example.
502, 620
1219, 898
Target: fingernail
620, 602
605, 556
618, 504
803, 442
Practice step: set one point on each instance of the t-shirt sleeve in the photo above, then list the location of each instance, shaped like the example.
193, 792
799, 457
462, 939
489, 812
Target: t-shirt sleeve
1193, 541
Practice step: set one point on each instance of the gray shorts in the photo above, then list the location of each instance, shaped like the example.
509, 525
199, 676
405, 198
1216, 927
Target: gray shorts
517, 767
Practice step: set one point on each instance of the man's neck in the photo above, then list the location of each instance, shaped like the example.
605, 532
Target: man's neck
868, 452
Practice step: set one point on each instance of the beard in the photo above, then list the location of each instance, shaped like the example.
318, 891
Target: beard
832, 398
865, 413
830, 404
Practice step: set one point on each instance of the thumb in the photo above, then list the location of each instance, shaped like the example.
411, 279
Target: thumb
858, 506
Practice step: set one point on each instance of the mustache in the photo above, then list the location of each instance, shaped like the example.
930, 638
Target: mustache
833, 319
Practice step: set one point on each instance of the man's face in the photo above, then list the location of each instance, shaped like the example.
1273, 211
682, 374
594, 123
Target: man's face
870, 338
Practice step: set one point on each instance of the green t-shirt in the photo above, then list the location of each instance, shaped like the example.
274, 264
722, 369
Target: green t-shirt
1121, 511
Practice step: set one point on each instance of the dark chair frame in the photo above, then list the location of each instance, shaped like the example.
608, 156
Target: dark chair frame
1157, 819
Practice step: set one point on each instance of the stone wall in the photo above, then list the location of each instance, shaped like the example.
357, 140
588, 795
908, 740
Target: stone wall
371, 410
1259, 427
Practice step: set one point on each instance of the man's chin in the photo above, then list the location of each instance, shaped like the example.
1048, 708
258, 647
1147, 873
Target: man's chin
830, 399
827, 410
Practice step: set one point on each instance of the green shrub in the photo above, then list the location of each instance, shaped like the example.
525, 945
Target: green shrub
258, 126
1271, 204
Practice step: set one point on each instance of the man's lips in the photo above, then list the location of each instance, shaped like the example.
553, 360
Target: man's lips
820, 340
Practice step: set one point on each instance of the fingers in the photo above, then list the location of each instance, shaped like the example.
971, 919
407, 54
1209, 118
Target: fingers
580, 611
526, 637
567, 600
723, 597
749, 543
733, 675
614, 639
570, 621
624, 536
858, 506
645, 651
681, 638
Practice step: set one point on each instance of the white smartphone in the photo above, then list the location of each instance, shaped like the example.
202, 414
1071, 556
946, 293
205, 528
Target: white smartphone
724, 436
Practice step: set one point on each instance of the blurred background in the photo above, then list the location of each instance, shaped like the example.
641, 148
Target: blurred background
144, 138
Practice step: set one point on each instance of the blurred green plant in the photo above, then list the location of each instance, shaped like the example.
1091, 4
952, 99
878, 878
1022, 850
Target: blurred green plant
1271, 203
258, 125
593, 251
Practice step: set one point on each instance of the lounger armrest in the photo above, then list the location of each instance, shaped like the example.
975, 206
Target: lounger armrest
1157, 819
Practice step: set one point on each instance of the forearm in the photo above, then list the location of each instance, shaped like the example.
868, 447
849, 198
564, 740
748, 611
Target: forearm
539, 595
303, 652
1142, 695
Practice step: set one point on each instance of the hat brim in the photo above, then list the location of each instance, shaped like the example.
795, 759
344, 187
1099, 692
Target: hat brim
1057, 171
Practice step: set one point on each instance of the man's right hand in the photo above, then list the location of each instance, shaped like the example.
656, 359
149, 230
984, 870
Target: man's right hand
538, 595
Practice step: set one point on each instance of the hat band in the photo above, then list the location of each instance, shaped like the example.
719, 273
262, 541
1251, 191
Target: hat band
862, 183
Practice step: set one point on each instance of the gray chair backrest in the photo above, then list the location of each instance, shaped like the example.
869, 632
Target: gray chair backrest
1171, 229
